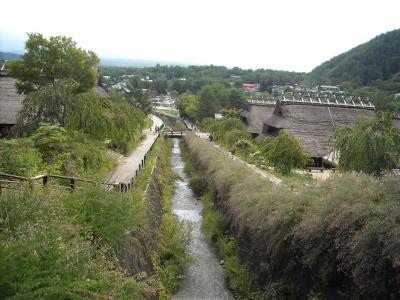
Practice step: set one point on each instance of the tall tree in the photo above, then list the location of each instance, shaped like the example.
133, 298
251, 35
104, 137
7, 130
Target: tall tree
372, 147
208, 103
47, 61
136, 96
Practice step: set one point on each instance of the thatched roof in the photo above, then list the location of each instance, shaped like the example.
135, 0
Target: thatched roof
313, 125
10, 101
256, 115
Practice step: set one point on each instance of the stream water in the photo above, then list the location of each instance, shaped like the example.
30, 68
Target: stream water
205, 278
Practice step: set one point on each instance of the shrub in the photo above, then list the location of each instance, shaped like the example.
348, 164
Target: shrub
286, 153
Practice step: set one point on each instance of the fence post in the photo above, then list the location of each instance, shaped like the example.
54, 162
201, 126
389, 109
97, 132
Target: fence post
1, 189
72, 184
45, 180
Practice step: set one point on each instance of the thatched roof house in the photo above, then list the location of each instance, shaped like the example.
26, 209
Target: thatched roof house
10, 102
255, 116
314, 124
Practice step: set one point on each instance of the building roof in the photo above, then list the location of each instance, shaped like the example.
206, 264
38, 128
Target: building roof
256, 115
314, 125
10, 101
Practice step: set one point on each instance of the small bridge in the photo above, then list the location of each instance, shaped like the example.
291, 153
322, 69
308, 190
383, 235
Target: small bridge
174, 133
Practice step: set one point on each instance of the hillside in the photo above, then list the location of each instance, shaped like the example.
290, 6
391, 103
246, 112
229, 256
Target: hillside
9, 56
376, 59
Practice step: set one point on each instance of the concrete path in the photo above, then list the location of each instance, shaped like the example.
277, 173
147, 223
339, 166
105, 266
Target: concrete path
128, 165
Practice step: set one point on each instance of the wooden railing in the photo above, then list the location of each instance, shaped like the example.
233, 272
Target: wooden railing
45, 181
7, 180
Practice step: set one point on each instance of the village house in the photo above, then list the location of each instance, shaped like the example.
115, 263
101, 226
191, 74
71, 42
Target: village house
250, 87
312, 121
10, 102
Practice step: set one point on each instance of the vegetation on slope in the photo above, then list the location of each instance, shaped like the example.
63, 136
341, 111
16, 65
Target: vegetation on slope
377, 59
337, 240
93, 244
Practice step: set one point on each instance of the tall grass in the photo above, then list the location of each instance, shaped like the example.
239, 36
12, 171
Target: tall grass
93, 244
338, 240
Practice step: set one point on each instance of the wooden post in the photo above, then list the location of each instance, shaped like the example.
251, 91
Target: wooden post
45, 180
1, 189
73, 184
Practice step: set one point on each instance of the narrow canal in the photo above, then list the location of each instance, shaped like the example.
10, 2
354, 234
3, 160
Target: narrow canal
205, 278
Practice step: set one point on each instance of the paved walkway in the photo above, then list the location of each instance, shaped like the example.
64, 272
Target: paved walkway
128, 165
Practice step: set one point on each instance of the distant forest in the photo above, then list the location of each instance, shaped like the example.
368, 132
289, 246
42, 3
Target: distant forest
193, 78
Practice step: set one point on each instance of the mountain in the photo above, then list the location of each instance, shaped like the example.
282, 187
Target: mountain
376, 59
9, 56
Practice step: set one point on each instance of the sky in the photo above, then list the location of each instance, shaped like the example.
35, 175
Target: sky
288, 35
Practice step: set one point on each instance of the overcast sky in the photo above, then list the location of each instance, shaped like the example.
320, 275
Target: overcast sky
281, 34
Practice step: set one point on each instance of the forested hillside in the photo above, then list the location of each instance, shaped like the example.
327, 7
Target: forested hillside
378, 59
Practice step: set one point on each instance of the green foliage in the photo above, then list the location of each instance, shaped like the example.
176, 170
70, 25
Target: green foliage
285, 153
173, 237
209, 100
188, 106
51, 104
233, 136
218, 128
53, 149
49, 140
45, 253
114, 119
196, 77
207, 103
137, 97
19, 157
372, 147
47, 61
339, 236
377, 59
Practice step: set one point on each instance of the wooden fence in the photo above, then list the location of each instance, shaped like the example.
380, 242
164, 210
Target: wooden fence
8, 180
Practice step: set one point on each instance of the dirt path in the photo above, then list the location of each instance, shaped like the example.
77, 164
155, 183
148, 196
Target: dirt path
205, 278
128, 165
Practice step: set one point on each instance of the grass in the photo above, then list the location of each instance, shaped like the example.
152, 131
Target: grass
93, 244
173, 112
336, 239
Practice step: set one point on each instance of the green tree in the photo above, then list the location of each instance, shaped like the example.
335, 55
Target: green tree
284, 153
51, 104
372, 147
236, 99
160, 86
208, 104
47, 61
137, 97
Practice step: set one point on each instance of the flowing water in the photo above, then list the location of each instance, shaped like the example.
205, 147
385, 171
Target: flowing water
205, 278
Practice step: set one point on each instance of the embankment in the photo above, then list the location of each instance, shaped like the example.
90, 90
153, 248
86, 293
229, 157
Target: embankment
339, 240
91, 243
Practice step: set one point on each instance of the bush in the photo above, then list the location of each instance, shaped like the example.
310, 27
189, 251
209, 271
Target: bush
45, 253
19, 157
286, 153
